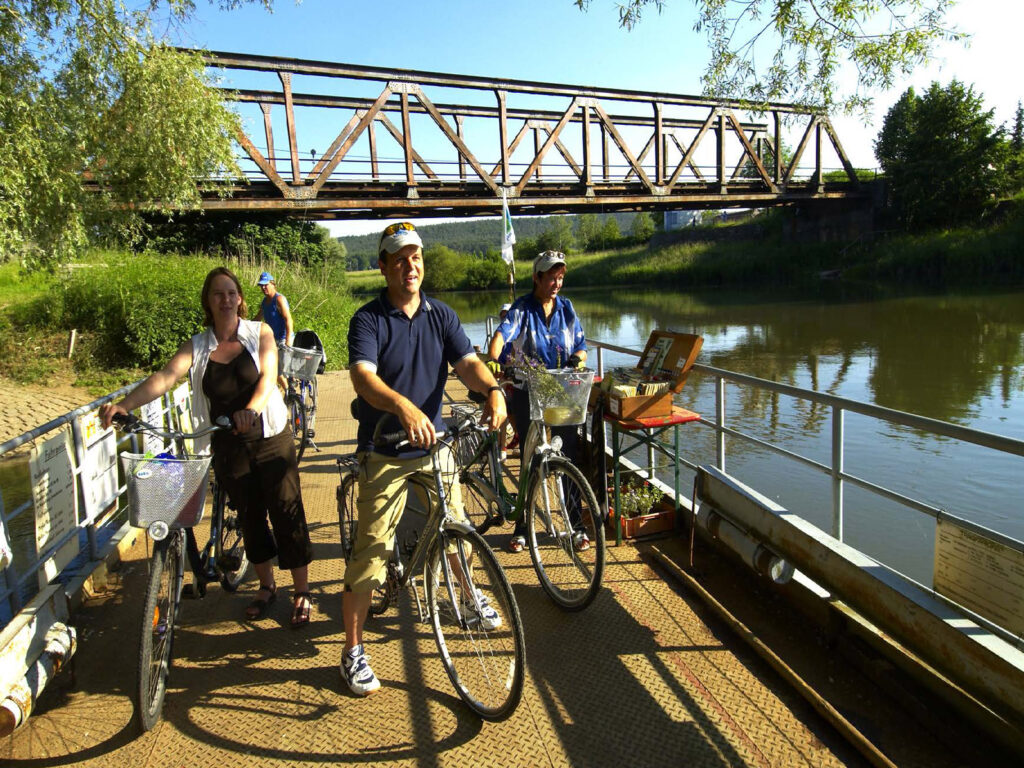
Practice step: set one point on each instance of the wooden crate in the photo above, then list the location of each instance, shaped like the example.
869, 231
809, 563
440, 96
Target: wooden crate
639, 407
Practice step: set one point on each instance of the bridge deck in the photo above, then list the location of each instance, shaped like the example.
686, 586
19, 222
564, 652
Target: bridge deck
637, 679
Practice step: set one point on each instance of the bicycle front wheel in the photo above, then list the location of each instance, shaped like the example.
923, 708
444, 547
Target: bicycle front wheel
476, 624
565, 534
159, 616
348, 526
232, 562
300, 429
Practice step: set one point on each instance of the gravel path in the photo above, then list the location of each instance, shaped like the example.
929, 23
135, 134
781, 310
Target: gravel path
24, 406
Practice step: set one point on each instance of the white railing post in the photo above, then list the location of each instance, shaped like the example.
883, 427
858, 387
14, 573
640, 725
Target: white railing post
720, 423
838, 415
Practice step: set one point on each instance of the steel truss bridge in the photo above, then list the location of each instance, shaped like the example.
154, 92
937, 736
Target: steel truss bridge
371, 142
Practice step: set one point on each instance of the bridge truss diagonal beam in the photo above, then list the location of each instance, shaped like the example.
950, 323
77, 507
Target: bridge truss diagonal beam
615, 149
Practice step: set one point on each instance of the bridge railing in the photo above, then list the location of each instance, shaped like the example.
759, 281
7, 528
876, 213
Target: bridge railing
62, 502
840, 479
357, 139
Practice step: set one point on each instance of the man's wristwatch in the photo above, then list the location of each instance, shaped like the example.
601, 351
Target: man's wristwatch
495, 388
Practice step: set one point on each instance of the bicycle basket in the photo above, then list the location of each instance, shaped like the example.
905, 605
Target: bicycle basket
559, 397
170, 490
300, 363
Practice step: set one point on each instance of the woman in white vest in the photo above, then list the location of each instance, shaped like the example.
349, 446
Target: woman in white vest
232, 366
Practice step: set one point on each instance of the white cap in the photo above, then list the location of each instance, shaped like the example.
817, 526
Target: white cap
404, 235
506, 307
547, 260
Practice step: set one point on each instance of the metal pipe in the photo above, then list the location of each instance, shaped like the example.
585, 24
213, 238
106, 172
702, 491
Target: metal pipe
752, 551
61, 643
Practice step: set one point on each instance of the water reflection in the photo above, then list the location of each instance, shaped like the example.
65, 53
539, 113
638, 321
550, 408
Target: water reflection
956, 358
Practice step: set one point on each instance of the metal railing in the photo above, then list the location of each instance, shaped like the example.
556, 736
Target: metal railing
834, 469
19, 580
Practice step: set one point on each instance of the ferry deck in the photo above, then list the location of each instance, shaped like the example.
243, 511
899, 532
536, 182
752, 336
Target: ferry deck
654, 673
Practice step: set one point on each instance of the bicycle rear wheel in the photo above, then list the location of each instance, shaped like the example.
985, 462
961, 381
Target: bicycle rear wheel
569, 572
232, 562
348, 525
483, 647
300, 429
159, 616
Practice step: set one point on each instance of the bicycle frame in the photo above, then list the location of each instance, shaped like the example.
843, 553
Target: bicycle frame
439, 522
510, 507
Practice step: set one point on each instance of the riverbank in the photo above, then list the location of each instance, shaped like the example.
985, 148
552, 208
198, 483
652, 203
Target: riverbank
984, 255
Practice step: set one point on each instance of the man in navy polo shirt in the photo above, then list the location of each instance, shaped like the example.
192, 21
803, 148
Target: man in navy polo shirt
400, 346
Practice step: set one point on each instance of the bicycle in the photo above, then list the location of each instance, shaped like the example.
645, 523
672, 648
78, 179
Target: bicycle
484, 661
550, 490
166, 496
300, 367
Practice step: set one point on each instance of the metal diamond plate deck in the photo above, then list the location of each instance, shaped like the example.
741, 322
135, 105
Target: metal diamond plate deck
638, 679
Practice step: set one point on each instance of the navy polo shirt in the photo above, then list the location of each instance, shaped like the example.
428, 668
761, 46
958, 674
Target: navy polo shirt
411, 355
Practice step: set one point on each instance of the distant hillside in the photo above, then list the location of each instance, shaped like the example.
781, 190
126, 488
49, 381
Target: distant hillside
469, 236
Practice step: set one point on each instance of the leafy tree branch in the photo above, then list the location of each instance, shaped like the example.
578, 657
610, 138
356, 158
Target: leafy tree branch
793, 50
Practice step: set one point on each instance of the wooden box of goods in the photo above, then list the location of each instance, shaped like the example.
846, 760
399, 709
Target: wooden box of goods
646, 390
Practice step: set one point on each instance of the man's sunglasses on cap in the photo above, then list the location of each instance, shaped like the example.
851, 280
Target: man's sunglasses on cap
401, 226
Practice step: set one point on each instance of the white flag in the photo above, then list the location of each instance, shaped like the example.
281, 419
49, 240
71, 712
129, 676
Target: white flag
508, 235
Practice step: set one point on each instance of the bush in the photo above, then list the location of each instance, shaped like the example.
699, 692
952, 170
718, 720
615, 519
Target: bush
141, 308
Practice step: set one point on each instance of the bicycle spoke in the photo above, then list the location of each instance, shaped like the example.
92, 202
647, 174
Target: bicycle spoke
565, 534
476, 625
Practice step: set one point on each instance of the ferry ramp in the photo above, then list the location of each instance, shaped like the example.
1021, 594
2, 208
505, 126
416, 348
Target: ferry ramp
644, 677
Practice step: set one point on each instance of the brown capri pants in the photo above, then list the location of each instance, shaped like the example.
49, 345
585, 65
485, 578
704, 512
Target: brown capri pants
383, 490
262, 479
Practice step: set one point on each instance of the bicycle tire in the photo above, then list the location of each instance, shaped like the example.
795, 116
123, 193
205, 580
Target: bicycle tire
156, 638
346, 495
311, 407
232, 562
300, 429
478, 495
486, 665
571, 578
382, 596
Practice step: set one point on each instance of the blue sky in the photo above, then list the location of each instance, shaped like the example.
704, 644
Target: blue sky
551, 40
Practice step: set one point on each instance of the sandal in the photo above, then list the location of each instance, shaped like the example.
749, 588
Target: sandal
516, 544
301, 611
258, 607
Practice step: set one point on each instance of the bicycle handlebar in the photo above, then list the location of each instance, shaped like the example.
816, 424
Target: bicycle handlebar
132, 424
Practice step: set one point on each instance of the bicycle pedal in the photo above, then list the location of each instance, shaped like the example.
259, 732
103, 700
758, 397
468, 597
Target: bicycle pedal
229, 562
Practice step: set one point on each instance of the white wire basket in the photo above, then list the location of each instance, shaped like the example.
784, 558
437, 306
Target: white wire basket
172, 491
558, 397
299, 363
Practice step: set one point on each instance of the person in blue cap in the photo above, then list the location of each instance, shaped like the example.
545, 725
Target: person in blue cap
276, 313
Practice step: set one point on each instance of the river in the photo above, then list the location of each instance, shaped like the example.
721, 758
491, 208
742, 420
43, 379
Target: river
954, 357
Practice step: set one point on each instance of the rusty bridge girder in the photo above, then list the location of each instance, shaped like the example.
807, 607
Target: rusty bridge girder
398, 145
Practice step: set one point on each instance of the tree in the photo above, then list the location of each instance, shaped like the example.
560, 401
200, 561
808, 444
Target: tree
99, 123
805, 43
642, 229
942, 156
558, 235
1015, 162
588, 231
610, 233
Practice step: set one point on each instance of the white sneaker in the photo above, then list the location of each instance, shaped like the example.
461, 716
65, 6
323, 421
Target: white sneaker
487, 616
356, 672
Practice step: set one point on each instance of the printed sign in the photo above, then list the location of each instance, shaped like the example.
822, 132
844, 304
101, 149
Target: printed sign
152, 413
99, 474
56, 505
981, 574
182, 402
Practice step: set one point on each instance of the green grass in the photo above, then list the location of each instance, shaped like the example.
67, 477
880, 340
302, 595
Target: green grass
132, 311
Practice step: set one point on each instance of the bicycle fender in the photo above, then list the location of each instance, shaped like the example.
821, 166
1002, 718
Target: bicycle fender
458, 526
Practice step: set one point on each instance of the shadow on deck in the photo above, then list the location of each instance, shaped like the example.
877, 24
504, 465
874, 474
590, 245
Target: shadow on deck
640, 678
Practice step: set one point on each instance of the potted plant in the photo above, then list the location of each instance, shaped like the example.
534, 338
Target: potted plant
644, 510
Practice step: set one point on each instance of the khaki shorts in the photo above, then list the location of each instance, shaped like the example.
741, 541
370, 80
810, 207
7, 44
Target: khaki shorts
383, 491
